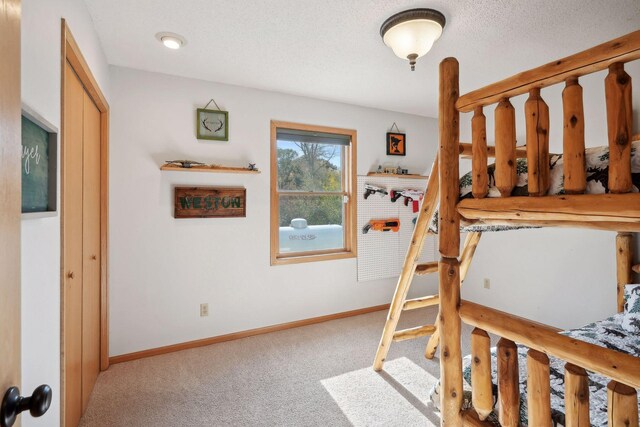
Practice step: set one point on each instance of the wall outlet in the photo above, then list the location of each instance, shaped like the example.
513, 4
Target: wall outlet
487, 283
204, 310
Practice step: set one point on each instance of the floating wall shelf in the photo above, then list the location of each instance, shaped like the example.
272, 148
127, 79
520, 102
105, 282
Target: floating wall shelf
396, 175
211, 169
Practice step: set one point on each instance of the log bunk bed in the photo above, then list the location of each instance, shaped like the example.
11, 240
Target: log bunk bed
617, 209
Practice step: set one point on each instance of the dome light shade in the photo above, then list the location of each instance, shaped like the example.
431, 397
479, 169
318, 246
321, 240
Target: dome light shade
411, 34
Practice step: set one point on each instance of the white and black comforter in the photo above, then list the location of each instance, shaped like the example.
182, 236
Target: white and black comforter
605, 333
597, 165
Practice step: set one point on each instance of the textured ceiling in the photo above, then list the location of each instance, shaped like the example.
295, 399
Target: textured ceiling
331, 49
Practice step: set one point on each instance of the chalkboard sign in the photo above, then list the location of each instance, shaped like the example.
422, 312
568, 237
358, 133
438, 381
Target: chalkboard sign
39, 165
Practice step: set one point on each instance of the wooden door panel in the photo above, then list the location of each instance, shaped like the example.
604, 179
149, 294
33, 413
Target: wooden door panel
10, 193
91, 250
72, 251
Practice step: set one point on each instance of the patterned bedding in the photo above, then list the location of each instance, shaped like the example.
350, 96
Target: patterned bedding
597, 164
605, 333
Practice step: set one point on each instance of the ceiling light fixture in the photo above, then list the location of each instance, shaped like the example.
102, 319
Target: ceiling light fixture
171, 40
412, 33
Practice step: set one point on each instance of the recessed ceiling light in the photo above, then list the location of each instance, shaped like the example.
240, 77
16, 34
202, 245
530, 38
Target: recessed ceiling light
171, 40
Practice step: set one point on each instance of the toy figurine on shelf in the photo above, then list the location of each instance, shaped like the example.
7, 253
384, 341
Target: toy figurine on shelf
252, 167
184, 163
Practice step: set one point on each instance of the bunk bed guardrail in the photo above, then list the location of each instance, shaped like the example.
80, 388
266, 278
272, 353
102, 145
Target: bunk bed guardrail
618, 210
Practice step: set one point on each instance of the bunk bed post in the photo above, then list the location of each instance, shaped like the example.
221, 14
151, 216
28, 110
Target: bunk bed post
617, 89
576, 396
482, 394
480, 182
575, 180
538, 389
508, 383
470, 245
449, 243
624, 263
623, 405
449, 129
537, 129
505, 128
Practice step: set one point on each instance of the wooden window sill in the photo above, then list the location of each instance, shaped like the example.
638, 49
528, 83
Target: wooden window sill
311, 257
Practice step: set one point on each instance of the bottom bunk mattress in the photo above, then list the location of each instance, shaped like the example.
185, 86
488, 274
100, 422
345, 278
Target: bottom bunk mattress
597, 175
605, 333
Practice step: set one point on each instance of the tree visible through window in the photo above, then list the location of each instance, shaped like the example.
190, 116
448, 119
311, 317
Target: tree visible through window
313, 189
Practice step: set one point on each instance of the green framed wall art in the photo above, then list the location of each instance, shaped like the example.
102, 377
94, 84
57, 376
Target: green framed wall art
212, 124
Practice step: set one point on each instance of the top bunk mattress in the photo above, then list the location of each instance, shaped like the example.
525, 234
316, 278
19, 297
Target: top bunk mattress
597, 168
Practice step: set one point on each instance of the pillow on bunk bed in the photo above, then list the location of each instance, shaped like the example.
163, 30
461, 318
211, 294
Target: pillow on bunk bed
597, 167
631, 316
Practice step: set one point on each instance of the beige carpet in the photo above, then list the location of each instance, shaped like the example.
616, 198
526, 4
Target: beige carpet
318, 375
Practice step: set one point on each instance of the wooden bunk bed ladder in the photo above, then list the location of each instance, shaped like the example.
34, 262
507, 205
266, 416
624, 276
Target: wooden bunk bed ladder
410, 268
413, 268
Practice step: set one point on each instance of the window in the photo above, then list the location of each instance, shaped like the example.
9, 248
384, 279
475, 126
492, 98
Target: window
313, 209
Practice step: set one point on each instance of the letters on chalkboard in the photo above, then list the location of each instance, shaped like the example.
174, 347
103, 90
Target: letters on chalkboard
39, 164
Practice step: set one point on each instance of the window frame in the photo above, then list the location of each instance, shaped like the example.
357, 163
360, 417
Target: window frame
349, 179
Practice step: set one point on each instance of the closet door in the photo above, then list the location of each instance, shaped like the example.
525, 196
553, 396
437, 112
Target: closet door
72, 231
91, 249
81, 231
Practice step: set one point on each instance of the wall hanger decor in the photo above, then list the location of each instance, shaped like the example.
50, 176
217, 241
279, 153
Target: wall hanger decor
212, 124
396, 142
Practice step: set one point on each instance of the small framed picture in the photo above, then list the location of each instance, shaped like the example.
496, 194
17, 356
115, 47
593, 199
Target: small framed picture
396, 144
212, 124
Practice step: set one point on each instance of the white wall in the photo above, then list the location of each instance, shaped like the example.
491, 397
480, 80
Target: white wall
41, 237
563, 277
161, 268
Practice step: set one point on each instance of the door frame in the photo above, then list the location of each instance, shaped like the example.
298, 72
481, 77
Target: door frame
10, 187
70, 52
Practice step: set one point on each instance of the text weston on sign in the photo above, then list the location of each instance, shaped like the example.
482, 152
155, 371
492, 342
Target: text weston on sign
210, 202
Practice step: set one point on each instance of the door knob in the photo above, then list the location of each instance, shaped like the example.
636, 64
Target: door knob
12, 404
70, 275
94, 257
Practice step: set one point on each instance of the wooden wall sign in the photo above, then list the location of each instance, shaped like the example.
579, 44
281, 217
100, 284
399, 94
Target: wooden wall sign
209, 202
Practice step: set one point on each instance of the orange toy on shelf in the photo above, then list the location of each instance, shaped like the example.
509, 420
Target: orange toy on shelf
382, 225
